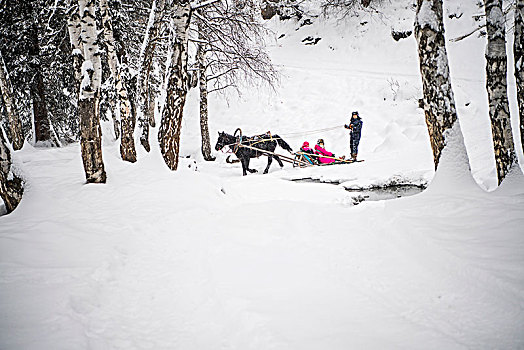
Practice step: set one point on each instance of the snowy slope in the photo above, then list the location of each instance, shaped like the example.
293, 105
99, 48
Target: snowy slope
189, 260
204, 258
357, 66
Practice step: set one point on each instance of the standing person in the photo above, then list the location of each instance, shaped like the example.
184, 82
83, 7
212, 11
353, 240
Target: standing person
355, 127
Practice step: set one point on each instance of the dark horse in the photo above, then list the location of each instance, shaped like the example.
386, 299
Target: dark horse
265, 142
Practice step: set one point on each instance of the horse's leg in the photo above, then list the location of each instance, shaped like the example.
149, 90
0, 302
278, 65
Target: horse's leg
279, 161
269, 160
244, 166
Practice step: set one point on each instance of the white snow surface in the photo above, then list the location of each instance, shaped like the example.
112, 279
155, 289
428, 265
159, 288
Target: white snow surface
427, 17
85, 85
203, 258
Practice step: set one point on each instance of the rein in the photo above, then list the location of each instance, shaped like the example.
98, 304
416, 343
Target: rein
298, 134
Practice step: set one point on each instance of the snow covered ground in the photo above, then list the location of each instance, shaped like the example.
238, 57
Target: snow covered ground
204, 258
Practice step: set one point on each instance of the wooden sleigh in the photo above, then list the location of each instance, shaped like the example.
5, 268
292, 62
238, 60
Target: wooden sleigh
304, 159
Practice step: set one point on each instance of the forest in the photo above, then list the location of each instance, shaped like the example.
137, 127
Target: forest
68, 65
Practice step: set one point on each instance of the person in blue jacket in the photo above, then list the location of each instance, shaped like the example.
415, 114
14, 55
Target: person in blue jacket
355, 127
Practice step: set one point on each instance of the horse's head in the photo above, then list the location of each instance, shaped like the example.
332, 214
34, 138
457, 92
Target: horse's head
222, 141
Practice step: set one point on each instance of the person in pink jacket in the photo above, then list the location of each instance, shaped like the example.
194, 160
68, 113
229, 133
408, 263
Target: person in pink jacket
319, 149
305, 148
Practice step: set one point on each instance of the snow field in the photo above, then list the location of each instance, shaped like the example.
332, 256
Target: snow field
178, 263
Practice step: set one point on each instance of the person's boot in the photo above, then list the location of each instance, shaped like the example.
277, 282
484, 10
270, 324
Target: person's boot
354, 157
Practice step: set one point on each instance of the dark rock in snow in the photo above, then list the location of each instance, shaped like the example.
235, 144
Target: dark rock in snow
307, 22
310, 40
454, 15
397, 35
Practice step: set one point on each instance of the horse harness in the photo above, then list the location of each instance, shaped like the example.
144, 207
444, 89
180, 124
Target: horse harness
251, 141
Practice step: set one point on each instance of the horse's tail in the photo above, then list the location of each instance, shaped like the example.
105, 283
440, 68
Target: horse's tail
283, 143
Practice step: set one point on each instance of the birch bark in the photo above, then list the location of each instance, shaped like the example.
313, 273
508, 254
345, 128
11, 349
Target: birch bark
171, 123
15, 126
127, 142
11, 186
77, 50
439, 103
146, 98
204, 128
90, 131
518, 51
496, 85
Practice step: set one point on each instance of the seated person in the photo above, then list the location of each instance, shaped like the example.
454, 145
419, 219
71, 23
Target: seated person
306, 157
305, 148
319, 149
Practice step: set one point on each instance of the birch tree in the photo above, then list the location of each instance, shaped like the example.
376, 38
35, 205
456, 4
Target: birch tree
11, 185
518, 52
15, 126
74, 28
439, 103
496, 85
145, 112
171, 123
90, 75
202, 66
127, 142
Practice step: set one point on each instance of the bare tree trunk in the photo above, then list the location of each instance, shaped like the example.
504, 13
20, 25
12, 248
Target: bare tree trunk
127, 141
151, 106
518, 51
148, 116
37, 91
204, 128
112, 96
146, 99
496, 85
15, 126
90, 132
171, 123
41, 119
144, 137
439, 103
11, 186
90, 142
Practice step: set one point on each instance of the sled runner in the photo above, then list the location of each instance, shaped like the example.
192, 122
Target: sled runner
304, 159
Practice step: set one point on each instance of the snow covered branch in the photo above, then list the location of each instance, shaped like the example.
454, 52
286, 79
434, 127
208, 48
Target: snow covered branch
232, 41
